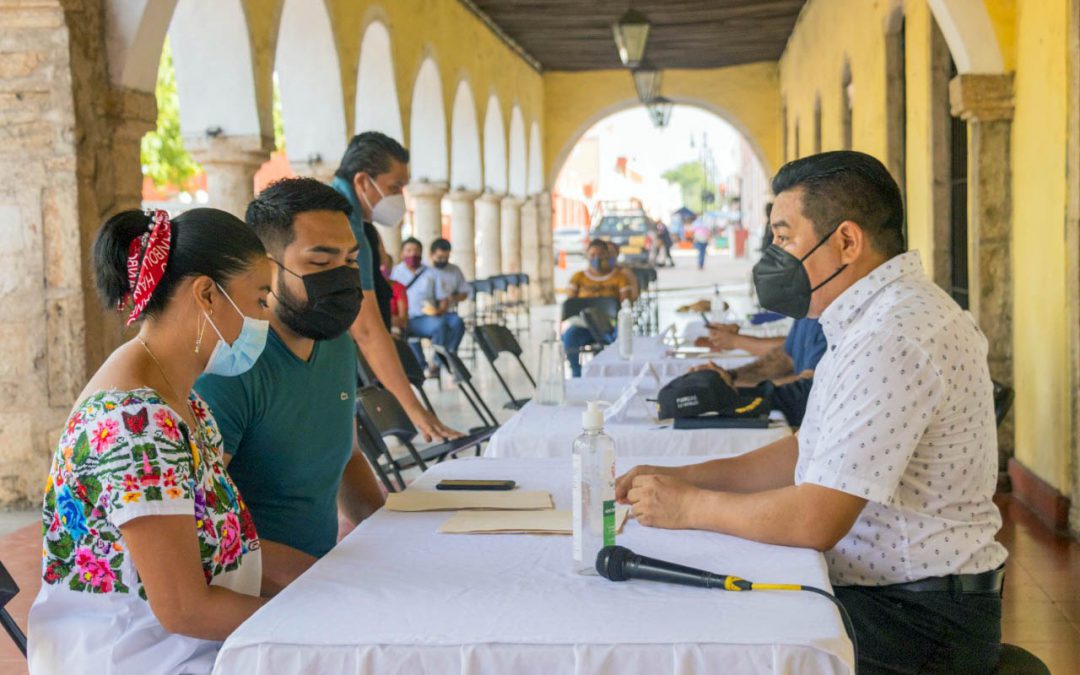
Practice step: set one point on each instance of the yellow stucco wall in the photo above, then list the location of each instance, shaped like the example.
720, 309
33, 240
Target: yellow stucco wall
746, 96
1040, 341
462, 46
919, 183
812, 65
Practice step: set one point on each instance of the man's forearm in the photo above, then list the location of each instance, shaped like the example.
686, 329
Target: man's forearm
767, 468
378, 348
359, 495
775, 364
757, 346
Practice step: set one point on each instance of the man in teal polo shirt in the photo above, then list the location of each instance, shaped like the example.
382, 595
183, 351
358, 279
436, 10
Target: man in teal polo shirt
287, 424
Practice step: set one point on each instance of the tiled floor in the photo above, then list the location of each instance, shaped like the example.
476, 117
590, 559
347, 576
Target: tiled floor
1042, 596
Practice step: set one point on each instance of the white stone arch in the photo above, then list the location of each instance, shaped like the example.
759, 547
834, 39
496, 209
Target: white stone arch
536, 160
134, 34
518, 176
564, 152
494, 147
969, 32
466, 169
427, 126
215, 79
377, 107
312, 101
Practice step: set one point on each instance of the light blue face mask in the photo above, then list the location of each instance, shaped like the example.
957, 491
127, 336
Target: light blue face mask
238, 358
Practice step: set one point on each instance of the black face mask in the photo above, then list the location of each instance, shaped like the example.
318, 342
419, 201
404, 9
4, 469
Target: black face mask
782, 283
440, 264
333, 303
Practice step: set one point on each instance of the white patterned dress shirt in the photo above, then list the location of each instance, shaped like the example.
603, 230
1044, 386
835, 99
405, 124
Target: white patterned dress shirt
902, 415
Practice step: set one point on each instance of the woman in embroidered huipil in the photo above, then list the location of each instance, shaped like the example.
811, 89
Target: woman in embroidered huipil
150, 557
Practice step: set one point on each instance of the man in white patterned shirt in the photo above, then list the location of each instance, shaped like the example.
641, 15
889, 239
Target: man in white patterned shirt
893, 471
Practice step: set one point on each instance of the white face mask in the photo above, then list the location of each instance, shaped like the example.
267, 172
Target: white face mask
388, 211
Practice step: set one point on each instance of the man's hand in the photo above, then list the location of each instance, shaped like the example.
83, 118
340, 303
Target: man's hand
623, 482
722, 338
430, 427
663, 501
724, 374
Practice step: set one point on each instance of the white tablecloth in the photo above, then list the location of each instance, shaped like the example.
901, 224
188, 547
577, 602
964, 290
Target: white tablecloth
696, 328
396, 597
650, 350
549, 431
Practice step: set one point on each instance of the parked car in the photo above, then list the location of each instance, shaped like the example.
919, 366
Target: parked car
630, 231
573, 240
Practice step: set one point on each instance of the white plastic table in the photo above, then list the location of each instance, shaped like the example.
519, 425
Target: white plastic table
397, 597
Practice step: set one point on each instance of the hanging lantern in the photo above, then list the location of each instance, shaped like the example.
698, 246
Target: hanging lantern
660, 111
647, 81
631, 33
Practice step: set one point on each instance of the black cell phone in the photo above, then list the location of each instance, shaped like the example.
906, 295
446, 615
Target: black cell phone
705, 318
475, 485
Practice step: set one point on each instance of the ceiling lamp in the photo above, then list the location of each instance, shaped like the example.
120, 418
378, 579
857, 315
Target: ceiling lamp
631, 33
660, 111
647, 81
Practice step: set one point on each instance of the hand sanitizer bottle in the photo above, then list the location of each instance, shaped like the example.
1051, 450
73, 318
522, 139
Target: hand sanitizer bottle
625, 330
594, 490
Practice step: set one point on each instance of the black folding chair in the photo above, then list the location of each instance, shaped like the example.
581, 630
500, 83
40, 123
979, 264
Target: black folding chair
483, 292
500, 286
8, 590
494, 340
1003, 400
463, 378
414, 373
373, 451
379, 413
599, 316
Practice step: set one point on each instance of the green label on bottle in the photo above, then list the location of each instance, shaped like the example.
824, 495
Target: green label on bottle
609, 522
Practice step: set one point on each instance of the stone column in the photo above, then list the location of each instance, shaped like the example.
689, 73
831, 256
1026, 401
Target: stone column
530, 247
488, 246
547, 251
230, 163
427, 210
986, 103
463, 231
131, 115
511, 234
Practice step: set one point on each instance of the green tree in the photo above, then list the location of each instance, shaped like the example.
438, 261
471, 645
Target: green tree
164, 158
690, 177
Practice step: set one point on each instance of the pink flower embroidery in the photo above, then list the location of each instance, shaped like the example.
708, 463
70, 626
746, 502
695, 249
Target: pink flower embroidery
74, 422
104, 435
230, 539
94, 571
167, 423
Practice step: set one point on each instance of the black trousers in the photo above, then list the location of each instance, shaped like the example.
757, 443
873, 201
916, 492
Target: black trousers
924, 632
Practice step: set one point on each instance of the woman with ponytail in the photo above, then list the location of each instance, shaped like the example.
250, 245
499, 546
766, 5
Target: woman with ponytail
150, 556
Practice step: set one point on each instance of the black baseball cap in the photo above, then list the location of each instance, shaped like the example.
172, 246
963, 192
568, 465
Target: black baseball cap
704, 392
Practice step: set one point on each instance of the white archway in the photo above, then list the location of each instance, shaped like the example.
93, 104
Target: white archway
556, 165
536, 161
377, 107
519, 161
214, 76
134, 34
494, 147
312, 102
970, 35
427, 126
466, 170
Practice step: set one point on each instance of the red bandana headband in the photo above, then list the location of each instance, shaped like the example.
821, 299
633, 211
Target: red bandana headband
147, 257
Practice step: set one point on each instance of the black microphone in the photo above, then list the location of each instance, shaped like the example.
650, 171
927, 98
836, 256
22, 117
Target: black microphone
618, 563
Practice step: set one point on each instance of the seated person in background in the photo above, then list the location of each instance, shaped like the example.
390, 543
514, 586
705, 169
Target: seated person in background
600, 280
150, 555
399, 300
893, 473
635, 287
287, 424
430, 314
786, 362
450, 280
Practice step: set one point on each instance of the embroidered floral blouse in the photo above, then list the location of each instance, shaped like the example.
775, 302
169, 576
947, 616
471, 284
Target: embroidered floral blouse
124, 455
